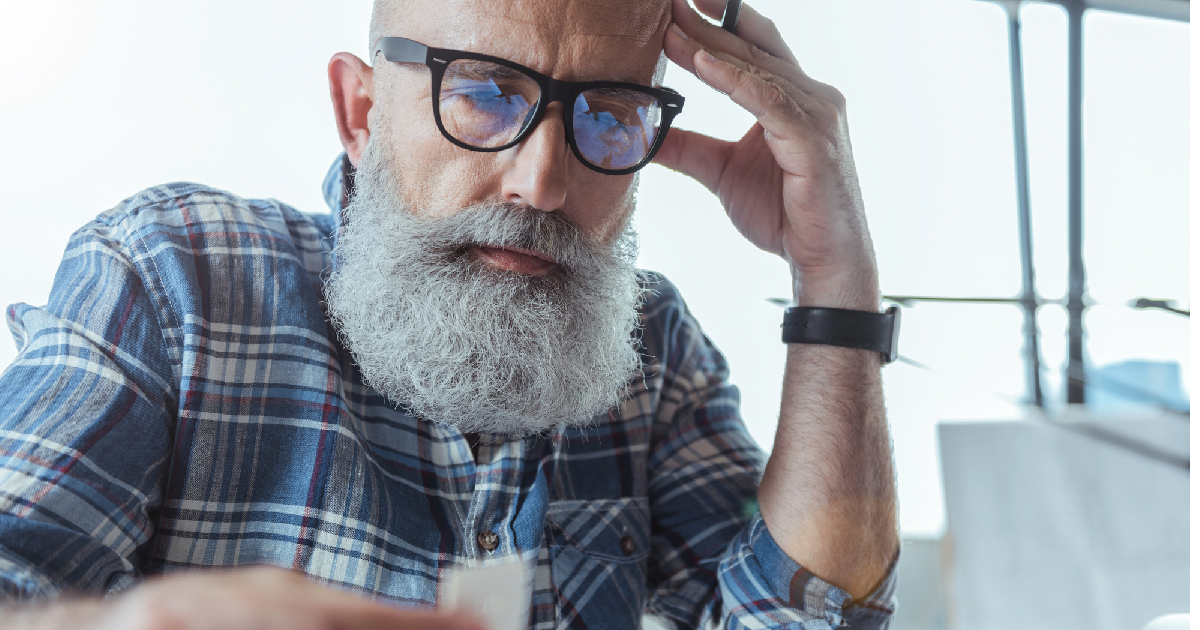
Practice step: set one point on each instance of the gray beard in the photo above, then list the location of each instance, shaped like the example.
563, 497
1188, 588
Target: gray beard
460, 343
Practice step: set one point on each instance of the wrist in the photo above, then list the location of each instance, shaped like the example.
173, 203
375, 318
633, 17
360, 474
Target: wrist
854, 289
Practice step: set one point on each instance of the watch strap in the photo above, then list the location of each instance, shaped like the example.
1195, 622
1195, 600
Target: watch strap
845, 328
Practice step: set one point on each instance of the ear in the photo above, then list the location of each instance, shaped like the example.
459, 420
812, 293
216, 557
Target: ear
351, 87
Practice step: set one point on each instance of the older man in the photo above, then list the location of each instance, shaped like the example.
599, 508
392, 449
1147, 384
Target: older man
461, 362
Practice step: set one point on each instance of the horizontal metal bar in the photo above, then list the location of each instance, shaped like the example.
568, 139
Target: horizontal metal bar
1177, 10
906, 299
910, 300
1165, 305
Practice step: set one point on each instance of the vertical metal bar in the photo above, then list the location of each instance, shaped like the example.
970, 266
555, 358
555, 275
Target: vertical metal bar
1029, 299
1075, 376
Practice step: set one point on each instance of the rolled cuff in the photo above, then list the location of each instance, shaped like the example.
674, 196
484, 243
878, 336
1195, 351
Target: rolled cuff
762, 587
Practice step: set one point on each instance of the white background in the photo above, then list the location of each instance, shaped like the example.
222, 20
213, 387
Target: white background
99, 99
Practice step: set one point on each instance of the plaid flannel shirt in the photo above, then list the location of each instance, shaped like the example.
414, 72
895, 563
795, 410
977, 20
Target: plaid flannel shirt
183, 402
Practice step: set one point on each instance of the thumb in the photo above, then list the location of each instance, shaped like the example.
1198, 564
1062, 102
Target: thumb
701, 157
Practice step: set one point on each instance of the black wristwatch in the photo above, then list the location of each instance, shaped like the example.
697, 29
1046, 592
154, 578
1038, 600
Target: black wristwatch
841, 327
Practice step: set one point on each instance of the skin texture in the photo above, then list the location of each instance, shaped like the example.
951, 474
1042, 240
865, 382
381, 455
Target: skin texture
789, 186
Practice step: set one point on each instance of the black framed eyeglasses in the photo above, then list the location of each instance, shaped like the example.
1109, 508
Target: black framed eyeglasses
486, 103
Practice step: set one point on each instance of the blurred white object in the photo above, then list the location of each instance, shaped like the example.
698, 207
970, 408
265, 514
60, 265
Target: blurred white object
1056, 530
498, 595
1170, 622
921, 588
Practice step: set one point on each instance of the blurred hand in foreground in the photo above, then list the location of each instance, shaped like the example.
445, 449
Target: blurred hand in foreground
241, 599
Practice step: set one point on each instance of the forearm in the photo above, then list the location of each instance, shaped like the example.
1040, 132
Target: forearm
791, 188
828, 493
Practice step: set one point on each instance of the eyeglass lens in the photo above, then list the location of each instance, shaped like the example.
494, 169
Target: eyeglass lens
614, 127
487, 105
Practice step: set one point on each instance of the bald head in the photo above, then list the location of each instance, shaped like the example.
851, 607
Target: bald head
567, 39
386, 18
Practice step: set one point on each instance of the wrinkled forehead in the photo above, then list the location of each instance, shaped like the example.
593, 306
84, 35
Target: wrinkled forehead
573, 40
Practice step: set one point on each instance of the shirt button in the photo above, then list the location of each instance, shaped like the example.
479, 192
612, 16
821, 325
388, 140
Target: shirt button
628, 546
488, 540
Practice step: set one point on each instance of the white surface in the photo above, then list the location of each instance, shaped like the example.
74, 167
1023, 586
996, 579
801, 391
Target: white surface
921, 589
1052, 530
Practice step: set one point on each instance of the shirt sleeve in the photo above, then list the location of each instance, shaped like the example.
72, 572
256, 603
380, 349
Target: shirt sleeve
762, 587
85, 428
714, 563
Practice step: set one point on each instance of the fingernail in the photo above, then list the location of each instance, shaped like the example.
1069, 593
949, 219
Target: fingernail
707, 57
678, 31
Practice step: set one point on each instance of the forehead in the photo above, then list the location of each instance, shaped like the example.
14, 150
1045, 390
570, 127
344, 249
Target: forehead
572, 40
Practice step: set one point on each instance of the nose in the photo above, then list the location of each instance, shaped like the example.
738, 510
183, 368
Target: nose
539, 173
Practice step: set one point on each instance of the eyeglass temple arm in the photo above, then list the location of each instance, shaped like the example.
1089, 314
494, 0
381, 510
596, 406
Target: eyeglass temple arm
401, 50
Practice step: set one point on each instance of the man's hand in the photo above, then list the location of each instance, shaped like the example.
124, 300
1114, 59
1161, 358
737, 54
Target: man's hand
789, 185
241, 599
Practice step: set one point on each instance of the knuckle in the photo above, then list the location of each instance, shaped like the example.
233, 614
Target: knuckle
777, 97
761, 75
758, 55
770, 25
837, 98
748, 80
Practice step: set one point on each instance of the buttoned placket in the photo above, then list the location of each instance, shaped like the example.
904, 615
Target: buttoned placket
498, 497
483, 528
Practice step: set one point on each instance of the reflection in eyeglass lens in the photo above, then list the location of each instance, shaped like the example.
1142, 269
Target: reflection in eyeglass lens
485, 104
615, 128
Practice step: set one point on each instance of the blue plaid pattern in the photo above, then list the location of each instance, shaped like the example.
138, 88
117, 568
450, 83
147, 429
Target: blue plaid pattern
182, 402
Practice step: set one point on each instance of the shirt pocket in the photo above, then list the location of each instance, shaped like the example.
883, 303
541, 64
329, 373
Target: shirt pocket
598, 551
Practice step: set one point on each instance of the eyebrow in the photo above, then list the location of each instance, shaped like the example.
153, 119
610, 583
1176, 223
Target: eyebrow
620, 79
407, 52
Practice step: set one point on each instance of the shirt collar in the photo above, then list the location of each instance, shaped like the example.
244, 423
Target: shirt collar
338, 185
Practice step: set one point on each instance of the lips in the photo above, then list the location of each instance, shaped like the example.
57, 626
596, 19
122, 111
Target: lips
516, 259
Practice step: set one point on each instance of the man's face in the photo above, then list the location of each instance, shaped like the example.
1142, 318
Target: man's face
572, 40
430, 291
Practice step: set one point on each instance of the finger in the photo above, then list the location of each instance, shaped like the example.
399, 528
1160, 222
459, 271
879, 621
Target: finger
773, 54
753, 27
770, 103
683, 52
680, 49
696, 155
719, 40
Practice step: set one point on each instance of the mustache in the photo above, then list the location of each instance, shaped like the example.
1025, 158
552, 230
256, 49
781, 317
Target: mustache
503, 225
